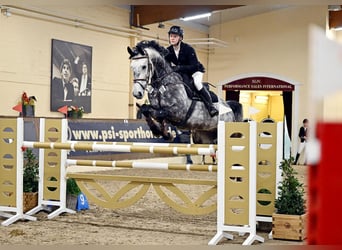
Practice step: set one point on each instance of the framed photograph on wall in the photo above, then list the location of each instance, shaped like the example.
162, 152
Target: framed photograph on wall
71, 71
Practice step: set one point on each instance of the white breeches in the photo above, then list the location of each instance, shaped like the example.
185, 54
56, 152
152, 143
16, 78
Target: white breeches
301, 147
198, 78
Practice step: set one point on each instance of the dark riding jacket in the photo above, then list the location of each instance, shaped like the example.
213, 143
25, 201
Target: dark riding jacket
302, 134
187, 63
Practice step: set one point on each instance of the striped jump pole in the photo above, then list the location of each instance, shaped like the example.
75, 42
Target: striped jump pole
143, 165
75, 146
161, 144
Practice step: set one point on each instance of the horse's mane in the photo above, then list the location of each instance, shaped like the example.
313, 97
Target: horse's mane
157, 54
152, 44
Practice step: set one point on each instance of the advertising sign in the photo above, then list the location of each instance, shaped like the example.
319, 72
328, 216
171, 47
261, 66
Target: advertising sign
112, 131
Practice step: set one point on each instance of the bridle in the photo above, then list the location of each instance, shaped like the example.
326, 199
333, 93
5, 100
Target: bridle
150, 73
148, 77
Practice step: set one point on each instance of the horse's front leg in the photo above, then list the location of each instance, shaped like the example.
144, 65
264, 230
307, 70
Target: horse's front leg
160, 115
167, 135
159, 128
155, 126
155, 119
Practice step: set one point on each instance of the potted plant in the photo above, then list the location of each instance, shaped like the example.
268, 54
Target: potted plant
289, 220
30, 180
75, 112
72, 191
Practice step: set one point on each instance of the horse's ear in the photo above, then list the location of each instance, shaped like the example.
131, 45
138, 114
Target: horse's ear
130, 52
140, 50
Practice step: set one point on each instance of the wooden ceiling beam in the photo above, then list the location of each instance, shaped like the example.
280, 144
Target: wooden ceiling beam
142, 15
335, 19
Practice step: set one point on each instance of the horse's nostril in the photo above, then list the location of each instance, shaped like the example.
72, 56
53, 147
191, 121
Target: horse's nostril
139, 95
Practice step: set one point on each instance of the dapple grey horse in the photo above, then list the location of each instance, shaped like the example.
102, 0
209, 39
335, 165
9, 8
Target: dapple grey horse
170, 100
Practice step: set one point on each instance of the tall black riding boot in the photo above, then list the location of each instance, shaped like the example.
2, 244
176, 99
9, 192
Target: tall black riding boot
205, 95
297, 157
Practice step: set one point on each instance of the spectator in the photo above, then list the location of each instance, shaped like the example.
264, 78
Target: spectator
303, 131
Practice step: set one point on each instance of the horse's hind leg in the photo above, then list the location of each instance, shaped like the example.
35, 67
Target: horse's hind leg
203, 159
213, 157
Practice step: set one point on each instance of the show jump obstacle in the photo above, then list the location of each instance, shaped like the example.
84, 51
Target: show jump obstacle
248, 156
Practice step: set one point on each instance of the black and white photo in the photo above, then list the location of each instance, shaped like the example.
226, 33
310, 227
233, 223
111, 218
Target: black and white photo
71, 82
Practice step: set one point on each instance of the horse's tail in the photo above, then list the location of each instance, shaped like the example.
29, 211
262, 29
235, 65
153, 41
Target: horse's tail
237, 110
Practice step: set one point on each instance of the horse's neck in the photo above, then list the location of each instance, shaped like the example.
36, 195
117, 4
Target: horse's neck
161, 69
170, 94
159, 74
164, 79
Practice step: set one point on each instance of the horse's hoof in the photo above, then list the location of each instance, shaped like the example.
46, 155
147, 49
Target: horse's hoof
169, 137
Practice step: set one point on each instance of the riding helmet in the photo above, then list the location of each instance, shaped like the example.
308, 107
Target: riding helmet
176, 30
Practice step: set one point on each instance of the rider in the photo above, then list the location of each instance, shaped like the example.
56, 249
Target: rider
183, 60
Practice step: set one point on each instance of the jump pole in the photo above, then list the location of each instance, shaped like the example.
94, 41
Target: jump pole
75, 146
142, 165
161, 144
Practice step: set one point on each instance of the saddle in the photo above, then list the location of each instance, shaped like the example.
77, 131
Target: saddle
192, 92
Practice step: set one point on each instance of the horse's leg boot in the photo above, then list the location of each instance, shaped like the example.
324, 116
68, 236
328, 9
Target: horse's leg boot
205, 95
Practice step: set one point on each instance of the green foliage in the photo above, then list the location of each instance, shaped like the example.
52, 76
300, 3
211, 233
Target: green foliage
264, 191
291, 192
72, 187
31, 171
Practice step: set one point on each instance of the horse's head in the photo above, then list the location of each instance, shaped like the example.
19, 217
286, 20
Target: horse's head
144, 56
142, 70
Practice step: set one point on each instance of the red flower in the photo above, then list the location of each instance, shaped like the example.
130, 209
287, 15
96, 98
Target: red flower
23, 148
24, 98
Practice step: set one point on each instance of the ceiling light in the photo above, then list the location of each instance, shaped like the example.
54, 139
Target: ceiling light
334, 7
195, 17
337, 28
